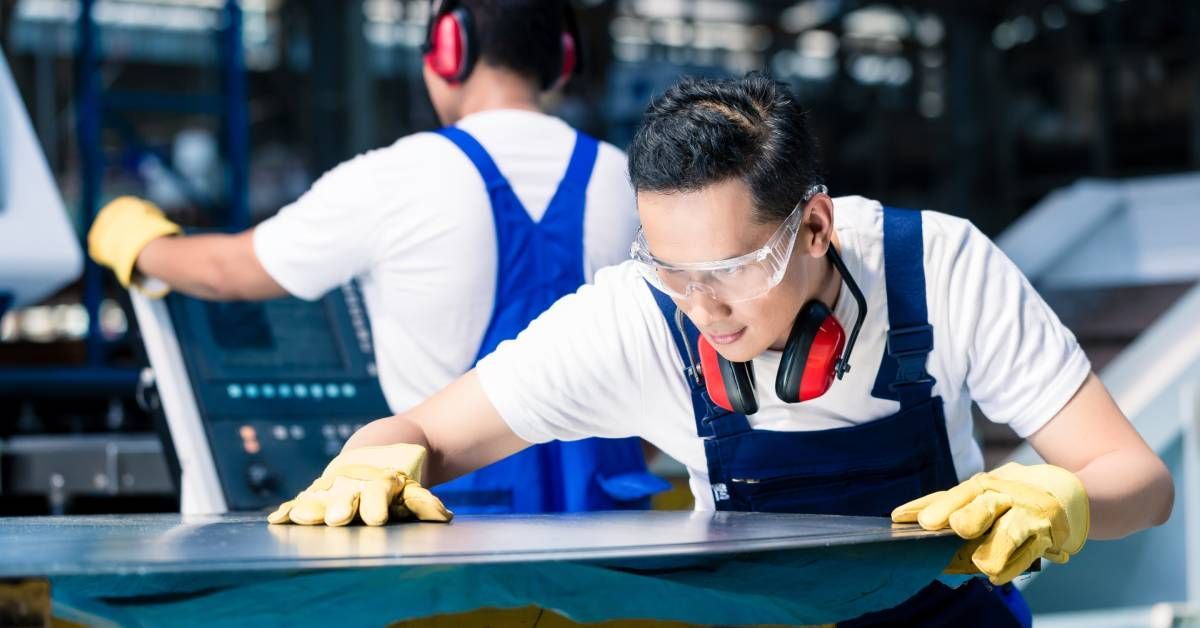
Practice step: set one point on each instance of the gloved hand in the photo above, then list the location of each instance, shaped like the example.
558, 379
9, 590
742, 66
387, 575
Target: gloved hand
121, 230
1011, 516
370, 482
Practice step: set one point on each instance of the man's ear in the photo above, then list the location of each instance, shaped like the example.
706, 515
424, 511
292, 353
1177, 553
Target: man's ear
816, 227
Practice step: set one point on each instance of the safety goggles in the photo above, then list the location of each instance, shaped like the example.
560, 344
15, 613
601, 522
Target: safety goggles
731, 280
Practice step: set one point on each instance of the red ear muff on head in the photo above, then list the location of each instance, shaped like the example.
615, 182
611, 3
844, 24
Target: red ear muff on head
449, 51
569, 60
730, 385
809, 361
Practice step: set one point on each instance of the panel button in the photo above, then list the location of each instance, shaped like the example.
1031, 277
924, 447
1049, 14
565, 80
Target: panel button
260, 478
234, 391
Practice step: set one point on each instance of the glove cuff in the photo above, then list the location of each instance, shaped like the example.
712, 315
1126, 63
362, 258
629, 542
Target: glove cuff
405, 458
1067, 489
152, 229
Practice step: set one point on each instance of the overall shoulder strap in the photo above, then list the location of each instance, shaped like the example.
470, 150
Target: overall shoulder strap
477, 154
570, 196
583, 160
902, 375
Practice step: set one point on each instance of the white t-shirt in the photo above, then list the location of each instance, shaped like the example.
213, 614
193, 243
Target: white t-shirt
413, 222
601, 362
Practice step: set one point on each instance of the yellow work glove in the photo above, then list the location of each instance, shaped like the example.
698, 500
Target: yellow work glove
1011, 516
371, 482
121, 230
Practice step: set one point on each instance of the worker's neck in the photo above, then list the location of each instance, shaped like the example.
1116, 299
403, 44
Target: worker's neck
495, 88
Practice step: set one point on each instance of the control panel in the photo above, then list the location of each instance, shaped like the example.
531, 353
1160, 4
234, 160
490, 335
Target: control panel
259, 396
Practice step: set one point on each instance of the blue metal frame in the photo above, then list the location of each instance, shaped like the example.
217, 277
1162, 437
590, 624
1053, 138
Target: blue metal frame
233, 75
94, 108
88, 130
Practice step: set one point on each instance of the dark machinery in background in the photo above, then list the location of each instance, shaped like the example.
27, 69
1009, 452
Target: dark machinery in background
257, 397
975, 109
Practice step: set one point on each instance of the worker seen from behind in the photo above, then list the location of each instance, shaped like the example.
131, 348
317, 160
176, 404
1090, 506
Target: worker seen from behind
457, 237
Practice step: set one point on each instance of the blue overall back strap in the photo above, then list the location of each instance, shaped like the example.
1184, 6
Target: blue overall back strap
579, 168
561, 225
902, 375
476, 153
711, 419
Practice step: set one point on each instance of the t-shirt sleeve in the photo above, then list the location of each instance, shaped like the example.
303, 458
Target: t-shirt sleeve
1024, 365
574, 372
326, 237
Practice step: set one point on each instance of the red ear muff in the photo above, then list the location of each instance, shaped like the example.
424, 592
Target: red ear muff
730, 385
807, 367
449, 50
569, 60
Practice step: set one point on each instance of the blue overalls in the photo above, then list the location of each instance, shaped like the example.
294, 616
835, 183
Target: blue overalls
539, 262
865, 469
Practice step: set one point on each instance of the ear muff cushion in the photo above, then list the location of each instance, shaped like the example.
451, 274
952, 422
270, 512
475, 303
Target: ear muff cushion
730, 385
739, 385
806, 369
449, 53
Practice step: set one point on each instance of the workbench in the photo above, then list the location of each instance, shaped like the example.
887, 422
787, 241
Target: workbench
695, 567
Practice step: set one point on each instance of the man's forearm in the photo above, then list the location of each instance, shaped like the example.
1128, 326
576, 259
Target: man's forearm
1128, 491
210, 266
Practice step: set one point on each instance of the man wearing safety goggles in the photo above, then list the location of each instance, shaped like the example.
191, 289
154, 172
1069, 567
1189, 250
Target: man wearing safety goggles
721, 342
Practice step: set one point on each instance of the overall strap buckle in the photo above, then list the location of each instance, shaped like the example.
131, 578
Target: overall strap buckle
910, 347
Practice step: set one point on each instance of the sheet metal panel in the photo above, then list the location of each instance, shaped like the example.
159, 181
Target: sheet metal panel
144, 544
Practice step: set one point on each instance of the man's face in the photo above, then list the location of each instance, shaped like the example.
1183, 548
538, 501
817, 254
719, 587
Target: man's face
716, 223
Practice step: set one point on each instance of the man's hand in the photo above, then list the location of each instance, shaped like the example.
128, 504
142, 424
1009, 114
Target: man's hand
121, 230
1010, 516
371, 482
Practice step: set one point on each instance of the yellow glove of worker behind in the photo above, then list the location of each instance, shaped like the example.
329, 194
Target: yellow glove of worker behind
371, 482
121, 230
1012, 516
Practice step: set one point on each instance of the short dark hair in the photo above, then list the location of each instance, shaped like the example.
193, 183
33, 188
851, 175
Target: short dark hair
705, 131
524, 36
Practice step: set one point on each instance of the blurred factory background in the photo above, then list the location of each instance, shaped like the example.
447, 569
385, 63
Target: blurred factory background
1069, 130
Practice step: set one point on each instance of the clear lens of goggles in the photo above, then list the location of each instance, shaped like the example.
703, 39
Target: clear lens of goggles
736, 279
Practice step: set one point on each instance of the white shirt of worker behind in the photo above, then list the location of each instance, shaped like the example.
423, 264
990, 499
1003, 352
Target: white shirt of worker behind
413, 223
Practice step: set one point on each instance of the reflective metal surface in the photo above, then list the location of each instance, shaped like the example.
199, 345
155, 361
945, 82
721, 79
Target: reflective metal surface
141, 544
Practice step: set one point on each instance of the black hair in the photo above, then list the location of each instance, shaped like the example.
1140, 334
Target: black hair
524, 36
705, 131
